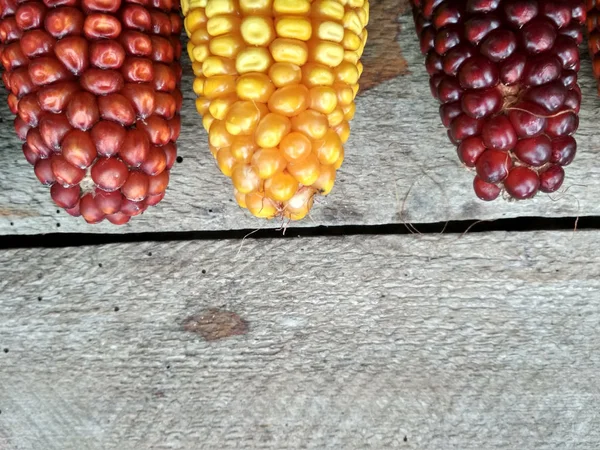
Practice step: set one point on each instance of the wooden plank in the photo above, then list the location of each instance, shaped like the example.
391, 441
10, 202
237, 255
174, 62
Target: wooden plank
488, 341
399, 165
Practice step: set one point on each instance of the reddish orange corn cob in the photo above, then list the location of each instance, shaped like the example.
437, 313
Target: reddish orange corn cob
276, 82
94, 86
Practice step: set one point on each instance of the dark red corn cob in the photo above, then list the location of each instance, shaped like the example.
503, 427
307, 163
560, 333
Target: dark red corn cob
505, 72
94, 85
593, 28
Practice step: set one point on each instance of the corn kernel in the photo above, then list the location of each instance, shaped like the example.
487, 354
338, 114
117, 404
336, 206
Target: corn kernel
194, 20
281, 187
330, 31
345, 95
256, 7
197, 69
343, 131
363, 16
289, 100
329, 148
359, 67
271, 129
260, 206
198, 85
322, 99
219, 7
346, 73
213, 151
225, 161
284, 7
257, 30
356, 3
328, 53
355, 89
226, 46
340, 160
328, 9
255, 86
197, 3
352, 22
219, 85
299, 205
305, 171
335, 117
200, 36
317, 75
217, 65
202, 104
220, 105
200, 53
253, 59
349, 111
220, 25
289, 50
311, 123
243, 147
283, 74
295, 146
242, 118
245, 178
351, 57
351, 41
240, 198
267, 162
190, 50
293, 28
218, 135
326, 180
207, 121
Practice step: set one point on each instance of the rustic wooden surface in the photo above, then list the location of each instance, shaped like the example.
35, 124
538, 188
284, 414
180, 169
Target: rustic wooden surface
399, 165
486, 341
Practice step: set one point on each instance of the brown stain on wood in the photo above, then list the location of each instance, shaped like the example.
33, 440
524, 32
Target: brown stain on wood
382, 58
214, 324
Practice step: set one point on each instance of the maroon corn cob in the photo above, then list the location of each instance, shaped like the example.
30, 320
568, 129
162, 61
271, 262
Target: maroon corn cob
94, 85
593, 28
505, 73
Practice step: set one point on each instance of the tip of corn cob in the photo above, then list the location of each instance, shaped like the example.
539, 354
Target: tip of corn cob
275, 82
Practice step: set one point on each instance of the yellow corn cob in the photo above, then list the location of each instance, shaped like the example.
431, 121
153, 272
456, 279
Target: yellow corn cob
276, 82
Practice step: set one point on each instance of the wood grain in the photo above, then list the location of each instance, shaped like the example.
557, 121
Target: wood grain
484, 342
399, 167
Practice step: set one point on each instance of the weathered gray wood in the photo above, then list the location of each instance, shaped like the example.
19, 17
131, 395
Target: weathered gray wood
489, 341
399, 167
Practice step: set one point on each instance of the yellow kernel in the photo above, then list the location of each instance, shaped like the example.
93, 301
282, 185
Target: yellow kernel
267, 162
193, 4
351, 40
207, 121
197, 69
190, 50
219, 7
295, 146
343, 131
255, 86
345, 95
356, 3
363, 16
218, 135
200, 53
243, 147
289, 50
217, 65
242, 118
330, 31
213, 150
202, 104
281, 187
328, 9
240, 198
340, 160
198, 85
329, 148
283, 7
219, 85
253, 59
328, 53
225, 161
271, 129
220, 25
349, 111
346, 73
359, 67
317, 75
245, 178
351, 57
289, 100
326, 180
262, 7
194, 20
226, 46
200, 36
306, 171
311, 123
335, 117
260, 206
355, 89
283, 74
352, 22
257, 30
322, 99
299, 205
219, 106
294, 27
